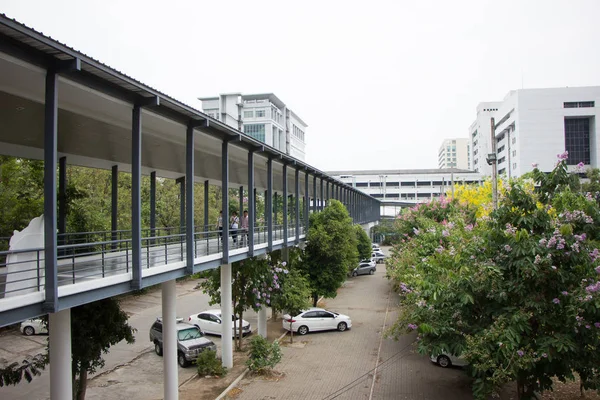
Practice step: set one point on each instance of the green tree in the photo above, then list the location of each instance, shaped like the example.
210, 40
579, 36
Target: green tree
254, 282
95, 327
516, 293
294, 296
364, 243
331, 250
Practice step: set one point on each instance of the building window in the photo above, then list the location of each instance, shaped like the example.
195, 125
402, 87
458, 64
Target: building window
407, 184
393, 184
577, 140
514, 140
362, 184
257, 131
578, 104
514, 166
260, 113
501, 160
500, 149
503, 170
514, 153
248, 114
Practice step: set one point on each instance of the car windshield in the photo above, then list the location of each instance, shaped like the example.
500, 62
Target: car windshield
187, 334
233, 318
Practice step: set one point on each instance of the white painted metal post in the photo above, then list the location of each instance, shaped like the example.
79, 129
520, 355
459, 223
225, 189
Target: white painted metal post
262, 321
61, 380
170, 372
226, 312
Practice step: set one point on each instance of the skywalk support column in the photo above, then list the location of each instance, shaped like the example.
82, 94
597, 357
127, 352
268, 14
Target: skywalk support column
241, 212
322, 195
269, 205
284, 196
60, 355
307, 203
62, 198
50, 155
206, 222
226, 322
181, 182
170, 379
114, 204
251, 203
189, 201
136, 200
297, 183
314, 193
225, 203
153, 204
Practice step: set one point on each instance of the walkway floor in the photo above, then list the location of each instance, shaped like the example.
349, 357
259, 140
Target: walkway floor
340, 365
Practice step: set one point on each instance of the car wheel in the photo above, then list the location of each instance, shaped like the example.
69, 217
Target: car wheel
342, 326
158, 349
444, 361
28, 331
181, 360
303, 330
354, 273
371, 272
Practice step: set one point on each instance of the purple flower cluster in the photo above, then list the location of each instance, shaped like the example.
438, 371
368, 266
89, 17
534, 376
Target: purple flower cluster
412, 327
594, 254
593, 288
507, 248
577, 215
556, 301
510, 230
537, 259
445, 233
563, 156
520, 353
404, 288
580, 238
469, 227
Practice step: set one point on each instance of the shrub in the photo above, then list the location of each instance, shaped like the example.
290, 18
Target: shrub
208, 364
263, 355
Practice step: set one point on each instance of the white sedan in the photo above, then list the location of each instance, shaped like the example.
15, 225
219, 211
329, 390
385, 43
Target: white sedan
209, 321
32, 326
316, 319
446, 360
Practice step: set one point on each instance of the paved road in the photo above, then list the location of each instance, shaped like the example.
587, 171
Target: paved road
143, 310
341, 365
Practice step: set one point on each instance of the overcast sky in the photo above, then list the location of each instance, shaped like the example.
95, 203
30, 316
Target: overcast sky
380, 83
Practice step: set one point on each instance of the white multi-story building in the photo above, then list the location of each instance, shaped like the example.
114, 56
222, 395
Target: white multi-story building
532, 126
406, 187
480, 136
262, 116
454, 153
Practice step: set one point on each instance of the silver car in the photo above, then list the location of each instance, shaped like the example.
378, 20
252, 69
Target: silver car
33, 326
446, 360
365, 267
316, 319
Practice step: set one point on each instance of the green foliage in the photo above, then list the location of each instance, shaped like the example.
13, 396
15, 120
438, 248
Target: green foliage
263, 356
95, 327
515, 293
331, 250
14, 373
364, 243
207, 363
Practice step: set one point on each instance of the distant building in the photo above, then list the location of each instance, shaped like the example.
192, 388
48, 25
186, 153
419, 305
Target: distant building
455, 153
262, 116
406, 187
534, 125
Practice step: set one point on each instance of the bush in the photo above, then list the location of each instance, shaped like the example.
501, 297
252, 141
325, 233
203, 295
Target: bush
208, 364
263, 355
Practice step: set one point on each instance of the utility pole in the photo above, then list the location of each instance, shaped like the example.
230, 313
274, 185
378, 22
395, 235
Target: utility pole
492, 160
452, 182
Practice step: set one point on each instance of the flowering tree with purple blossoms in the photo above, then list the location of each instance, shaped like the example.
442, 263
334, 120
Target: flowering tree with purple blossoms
254, 282
516, 294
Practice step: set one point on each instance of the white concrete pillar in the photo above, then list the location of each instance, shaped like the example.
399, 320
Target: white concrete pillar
61, 379
169, 316
262, 321
226, 312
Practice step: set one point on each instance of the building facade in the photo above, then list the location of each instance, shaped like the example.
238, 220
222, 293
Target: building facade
480, 137
532, 126
406, 187
264, 117
455, 153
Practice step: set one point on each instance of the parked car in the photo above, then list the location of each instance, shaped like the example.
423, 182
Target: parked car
209, 322
379, 256
316, 319
33, 326
365, 267
374, 245
190, 341
446, 360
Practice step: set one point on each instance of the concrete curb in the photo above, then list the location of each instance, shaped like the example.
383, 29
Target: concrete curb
242, 375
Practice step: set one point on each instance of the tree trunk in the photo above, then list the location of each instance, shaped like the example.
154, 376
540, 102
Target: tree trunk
240, 332
273, 314
82, 386
315, 298
291, 332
